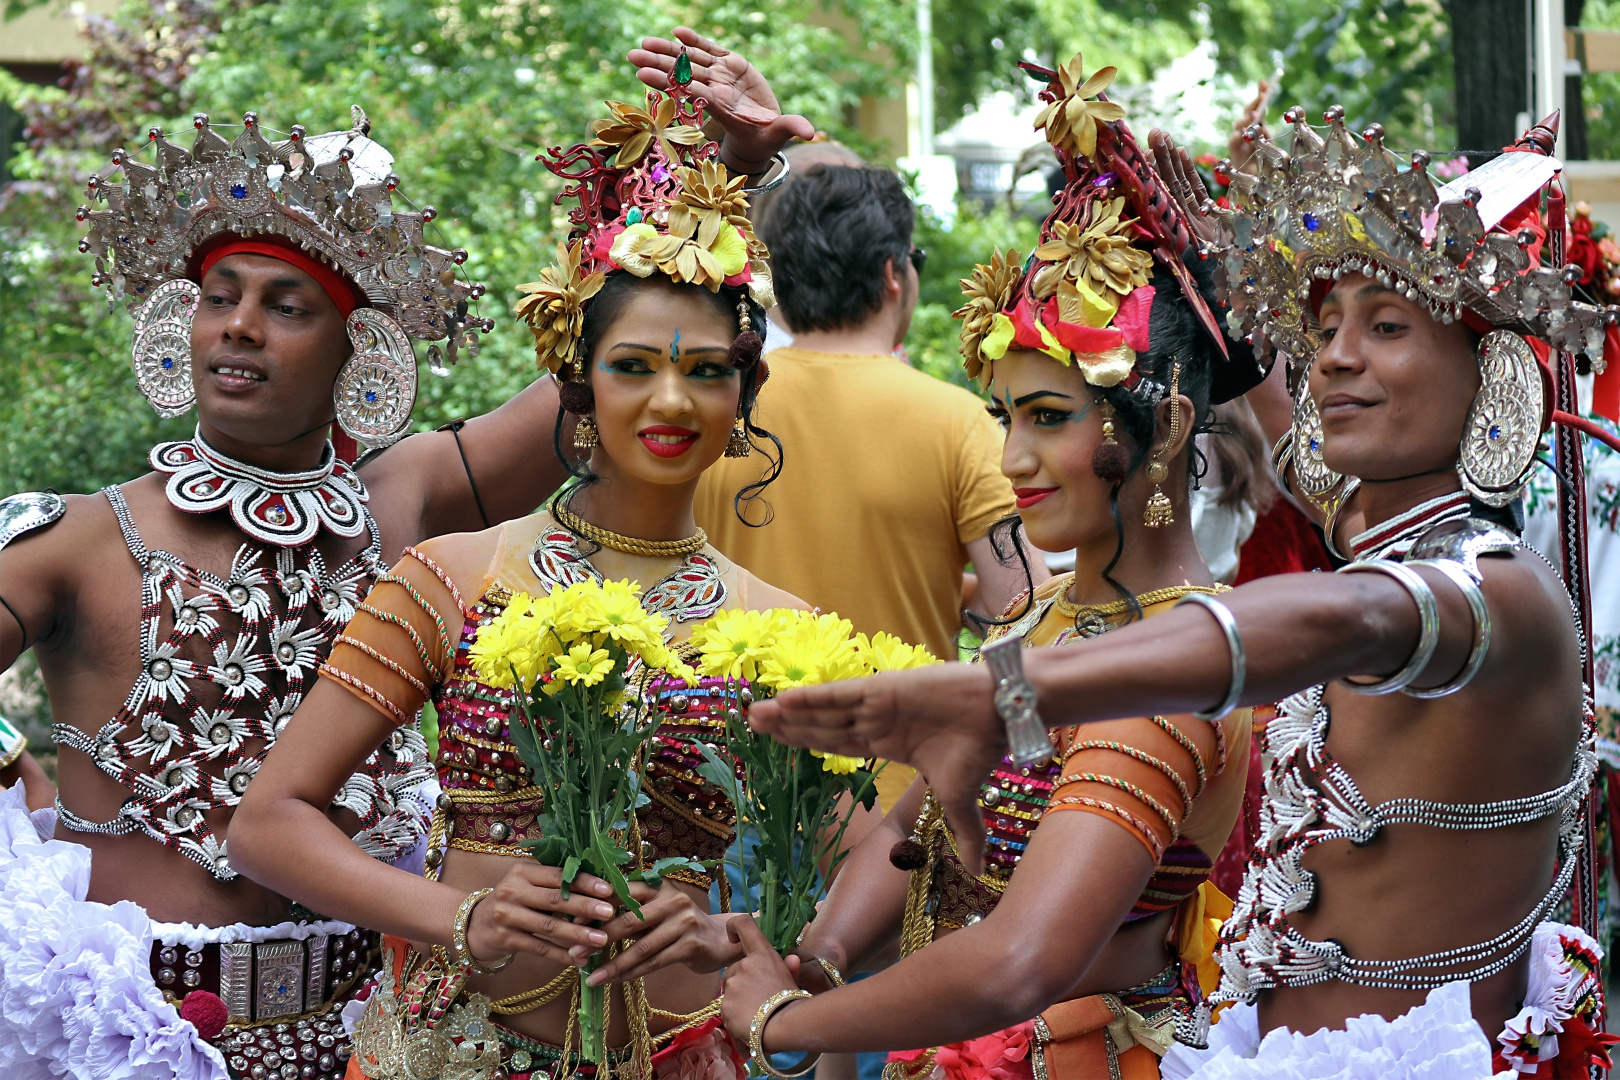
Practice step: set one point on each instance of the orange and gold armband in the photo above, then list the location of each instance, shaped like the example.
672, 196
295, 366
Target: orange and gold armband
1143, 773
400, 643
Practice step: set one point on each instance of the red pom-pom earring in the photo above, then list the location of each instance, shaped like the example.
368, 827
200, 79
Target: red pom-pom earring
1110, 460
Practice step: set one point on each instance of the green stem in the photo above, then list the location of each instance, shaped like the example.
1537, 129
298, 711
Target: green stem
592, 1039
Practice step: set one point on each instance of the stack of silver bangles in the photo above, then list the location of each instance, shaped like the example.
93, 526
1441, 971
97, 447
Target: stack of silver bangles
1429, 625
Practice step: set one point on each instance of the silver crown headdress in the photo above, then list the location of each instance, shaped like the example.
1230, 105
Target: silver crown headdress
333, 197
1330, 206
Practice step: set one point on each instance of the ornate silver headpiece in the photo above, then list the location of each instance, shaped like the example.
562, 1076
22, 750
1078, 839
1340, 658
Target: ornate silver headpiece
1336, 205
333, 197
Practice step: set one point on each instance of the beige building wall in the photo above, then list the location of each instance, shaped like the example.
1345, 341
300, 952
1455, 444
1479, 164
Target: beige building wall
48, 34
886, 120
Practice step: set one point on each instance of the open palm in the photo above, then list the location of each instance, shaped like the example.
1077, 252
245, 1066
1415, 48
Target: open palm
739, 97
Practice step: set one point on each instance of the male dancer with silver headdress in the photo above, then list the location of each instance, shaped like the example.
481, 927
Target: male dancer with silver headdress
179, 618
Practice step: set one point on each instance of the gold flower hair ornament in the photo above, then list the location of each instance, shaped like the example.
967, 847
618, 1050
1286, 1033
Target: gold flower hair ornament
1071, 122
554, 306
634, 129
709, 237
989, 290
1092, 268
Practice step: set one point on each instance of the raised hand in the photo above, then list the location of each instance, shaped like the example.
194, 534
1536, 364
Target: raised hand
1175, 167
739, 97
527, 913
673, 929
940, 719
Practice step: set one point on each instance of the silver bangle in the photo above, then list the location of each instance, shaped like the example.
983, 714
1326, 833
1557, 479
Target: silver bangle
1027, 741
775, 181
1469, 586
1428, 624
1234, 645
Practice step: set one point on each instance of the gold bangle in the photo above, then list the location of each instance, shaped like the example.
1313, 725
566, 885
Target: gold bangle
833, 974
458, 938
756, 1037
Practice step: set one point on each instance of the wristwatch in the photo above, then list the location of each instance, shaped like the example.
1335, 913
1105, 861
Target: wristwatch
1027, 740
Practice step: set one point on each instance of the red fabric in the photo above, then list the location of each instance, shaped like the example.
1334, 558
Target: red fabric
346, 448
1227, 874
668, 1060
1579, 1048
1283, 542
1606, 387
1081, 339
1134, 314
344, 293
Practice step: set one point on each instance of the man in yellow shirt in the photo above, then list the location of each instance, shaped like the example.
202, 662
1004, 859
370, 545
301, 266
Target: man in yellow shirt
891, 478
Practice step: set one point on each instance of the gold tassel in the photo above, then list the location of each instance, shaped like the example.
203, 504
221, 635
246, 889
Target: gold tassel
738, 445
585, 437
1159, 512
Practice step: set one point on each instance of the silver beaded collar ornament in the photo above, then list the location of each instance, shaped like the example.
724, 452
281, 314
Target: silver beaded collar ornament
332, 197
278, 509
1334, 205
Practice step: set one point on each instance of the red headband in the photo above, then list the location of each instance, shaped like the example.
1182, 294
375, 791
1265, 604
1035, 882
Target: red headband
344, 293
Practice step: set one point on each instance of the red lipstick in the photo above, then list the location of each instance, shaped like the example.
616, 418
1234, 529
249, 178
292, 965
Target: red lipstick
1028, 497
675, 441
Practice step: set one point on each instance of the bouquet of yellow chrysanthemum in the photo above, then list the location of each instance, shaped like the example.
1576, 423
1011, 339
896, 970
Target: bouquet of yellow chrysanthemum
574, 659
797, 802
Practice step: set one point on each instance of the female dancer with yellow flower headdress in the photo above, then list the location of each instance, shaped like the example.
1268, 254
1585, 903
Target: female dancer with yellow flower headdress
1102, 360
652, 320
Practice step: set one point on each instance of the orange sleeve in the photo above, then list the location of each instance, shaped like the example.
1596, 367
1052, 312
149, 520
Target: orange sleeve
1143, 773
401, 642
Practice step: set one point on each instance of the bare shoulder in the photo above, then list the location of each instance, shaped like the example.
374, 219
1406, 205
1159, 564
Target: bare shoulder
469, 560
47, 537
757, 595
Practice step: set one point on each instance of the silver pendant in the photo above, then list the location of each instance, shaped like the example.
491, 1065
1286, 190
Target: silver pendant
162, 353
1503, 428
1317, 482
377, 386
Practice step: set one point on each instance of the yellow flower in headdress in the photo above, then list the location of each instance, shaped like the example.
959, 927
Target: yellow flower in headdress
1071, 122
989, 291
1083, 261
554, 306
634, 129
709, 237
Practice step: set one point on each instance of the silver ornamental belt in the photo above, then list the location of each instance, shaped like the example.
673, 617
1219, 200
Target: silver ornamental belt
262, 981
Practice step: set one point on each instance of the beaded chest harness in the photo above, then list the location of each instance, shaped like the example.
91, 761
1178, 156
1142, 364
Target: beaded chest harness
1312, 800
211, 700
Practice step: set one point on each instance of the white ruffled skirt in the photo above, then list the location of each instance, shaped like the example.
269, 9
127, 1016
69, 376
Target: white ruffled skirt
77, 998
1437, 1040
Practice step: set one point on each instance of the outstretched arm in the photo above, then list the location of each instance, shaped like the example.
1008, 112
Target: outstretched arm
1297, 630
739, 97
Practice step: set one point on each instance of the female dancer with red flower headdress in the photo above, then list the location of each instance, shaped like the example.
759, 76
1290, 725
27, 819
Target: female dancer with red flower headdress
1102, 359
652, 321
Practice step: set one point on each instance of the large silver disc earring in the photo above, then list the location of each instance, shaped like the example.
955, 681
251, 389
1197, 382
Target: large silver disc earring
162, 353
1503, 428
377, 386
1316, 481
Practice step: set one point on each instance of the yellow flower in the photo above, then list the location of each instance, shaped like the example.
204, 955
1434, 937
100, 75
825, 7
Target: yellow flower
554, 306
583, 665
885, 652
1071, 122
518, 639
730, 644
989, 291
838, 764
730, 250
709, 198
810, 649
613, 612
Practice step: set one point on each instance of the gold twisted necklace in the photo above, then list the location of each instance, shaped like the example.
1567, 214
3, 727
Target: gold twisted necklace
630, 545
1120, 607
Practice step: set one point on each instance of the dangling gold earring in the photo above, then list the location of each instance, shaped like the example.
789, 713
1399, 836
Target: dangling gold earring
738, 445
585, 437
1159, 512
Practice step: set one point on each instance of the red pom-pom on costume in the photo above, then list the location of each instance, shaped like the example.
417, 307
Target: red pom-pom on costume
206, 1012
